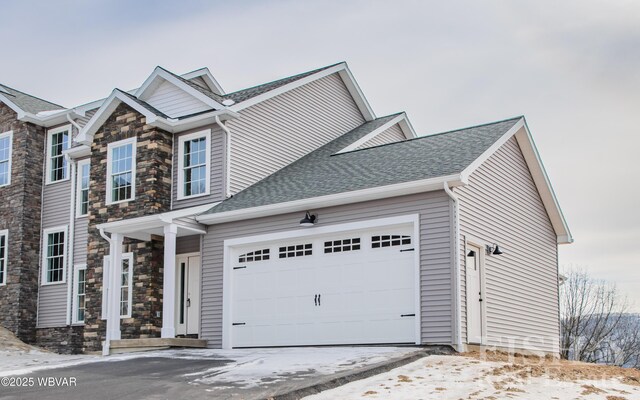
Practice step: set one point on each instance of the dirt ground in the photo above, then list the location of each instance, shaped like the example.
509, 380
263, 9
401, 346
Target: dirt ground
9, 342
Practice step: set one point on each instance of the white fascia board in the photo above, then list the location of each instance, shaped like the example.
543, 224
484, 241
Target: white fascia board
357, 94
131, 225
372, 134
108, 107
407, 128
47, 120
356, 196
543, 184
160, 74
179, 125
208, 78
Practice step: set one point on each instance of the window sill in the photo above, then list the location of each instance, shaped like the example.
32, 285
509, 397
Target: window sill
53, 283
111, 203
47, 183
194, 196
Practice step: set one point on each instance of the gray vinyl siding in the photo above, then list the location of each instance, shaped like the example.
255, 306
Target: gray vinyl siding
435, 256
52, 299
501, 205
217, 169
391, 135
175, 102
188, 244
273, 133
80, 240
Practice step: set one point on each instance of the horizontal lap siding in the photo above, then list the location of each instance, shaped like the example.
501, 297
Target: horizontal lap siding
391, 135
175, 102
270, 135
188, 244
81, 240
52, 299
216, 171
502, 205
435, 256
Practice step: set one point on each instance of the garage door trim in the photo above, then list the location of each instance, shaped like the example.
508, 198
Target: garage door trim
227, 309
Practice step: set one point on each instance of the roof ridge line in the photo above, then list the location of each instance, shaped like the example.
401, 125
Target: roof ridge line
429, 136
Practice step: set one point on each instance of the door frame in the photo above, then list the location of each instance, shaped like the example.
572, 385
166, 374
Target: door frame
229, 244
177, 282
469, 240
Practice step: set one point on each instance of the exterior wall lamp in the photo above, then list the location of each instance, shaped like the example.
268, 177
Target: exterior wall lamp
493, 250
309, 219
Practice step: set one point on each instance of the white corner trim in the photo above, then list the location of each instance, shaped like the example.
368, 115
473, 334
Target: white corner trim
372, 134
50, 133
356, 196
3, 135
229, 244
45, 235
131, 141
181, 140
159, 74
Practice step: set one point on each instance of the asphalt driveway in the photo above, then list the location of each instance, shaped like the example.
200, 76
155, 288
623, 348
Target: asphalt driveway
199, 374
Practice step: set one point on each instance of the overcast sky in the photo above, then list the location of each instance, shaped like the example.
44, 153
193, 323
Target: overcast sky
572, 68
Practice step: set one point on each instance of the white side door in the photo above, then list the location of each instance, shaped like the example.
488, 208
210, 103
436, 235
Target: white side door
188, 295
475, 299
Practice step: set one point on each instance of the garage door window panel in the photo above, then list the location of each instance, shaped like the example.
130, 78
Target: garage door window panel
297, 250
341, 245
382, 241
257, 255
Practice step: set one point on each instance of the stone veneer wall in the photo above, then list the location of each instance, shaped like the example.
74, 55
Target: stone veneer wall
63, 340
20, 209
153, 195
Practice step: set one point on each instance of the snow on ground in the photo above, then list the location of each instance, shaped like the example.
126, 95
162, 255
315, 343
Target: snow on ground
253, 367
458, 377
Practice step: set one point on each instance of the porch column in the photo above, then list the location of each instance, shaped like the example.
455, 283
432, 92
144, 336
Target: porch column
169, 282
113, 288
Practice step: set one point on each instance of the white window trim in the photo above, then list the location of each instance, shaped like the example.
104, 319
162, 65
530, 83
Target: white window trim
50, 133
134, 168
129, 257
5, 233
181, 140
10, 135
105, 274
45, 235
76, 269
81, 164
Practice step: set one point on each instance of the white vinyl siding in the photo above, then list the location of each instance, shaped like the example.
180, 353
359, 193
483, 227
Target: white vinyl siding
6, 145
82, 183
501, 205
194, 159
391, 135
272, 134
58, 140
121, 171
4, 258
79, 281
435, 257
54, 255
174, 101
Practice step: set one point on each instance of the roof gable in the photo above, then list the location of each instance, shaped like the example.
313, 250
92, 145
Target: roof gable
400, 119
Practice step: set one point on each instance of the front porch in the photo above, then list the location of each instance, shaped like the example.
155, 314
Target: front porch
180, 307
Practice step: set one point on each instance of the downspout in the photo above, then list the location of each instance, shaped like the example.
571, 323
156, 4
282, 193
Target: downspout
72, 236
107, 340
457, 272
227, 132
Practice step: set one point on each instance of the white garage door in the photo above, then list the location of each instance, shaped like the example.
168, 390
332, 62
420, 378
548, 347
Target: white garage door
354, 287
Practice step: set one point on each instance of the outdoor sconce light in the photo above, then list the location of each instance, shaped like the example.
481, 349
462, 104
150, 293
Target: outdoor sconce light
493, 250
308, 220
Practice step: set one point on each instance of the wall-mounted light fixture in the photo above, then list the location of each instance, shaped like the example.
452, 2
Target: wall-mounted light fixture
309, 219
493, 250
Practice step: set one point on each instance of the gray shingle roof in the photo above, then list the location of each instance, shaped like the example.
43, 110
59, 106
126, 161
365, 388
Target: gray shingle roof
28, 103
323, 172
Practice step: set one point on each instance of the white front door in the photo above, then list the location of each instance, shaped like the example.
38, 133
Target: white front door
474, 295
350, 287
188, 295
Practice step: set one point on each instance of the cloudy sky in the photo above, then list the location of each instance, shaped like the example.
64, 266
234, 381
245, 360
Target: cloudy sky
572, 68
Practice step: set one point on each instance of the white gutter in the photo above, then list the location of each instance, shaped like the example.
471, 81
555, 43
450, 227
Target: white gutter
457, 272
228, 156
72, 236
354, 196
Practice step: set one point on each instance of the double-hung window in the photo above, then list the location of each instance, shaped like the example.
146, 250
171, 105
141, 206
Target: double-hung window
121, 171
58, 140
125, 286
4, 249
194, 154
83, 188
6, 140
54, 255
80, 278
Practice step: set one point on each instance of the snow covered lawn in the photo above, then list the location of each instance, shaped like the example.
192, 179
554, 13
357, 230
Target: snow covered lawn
458, 377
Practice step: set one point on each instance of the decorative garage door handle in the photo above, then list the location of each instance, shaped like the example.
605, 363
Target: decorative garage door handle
319, 300
316, 300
